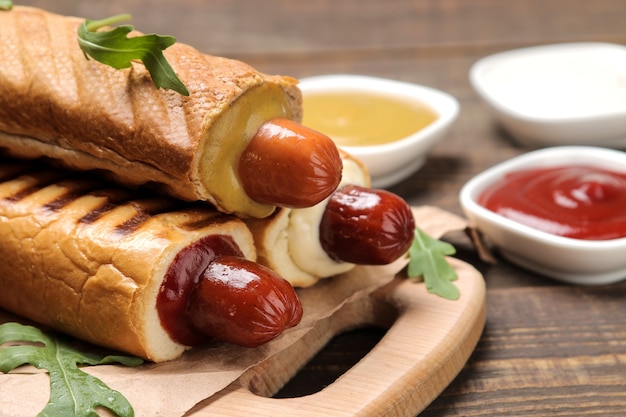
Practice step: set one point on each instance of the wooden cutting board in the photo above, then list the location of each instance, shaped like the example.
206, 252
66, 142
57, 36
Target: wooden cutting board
428, 341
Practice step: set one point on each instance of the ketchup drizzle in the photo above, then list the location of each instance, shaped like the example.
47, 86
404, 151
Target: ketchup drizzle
181, 276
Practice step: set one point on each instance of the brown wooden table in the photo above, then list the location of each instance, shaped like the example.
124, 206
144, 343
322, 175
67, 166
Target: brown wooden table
548, 348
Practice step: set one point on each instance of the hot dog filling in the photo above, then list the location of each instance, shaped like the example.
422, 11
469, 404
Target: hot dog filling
180, 279
243, 303
229, 135
289, 165
304, 231
211, 291
355, 225
366, 226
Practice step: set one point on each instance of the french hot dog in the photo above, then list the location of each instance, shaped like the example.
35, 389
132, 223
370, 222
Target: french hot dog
56, 103
356, 225
148, 276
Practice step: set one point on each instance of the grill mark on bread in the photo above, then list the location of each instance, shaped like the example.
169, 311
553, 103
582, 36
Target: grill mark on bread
111, 199
98, 212
69, 189
132, 224
38, 181
145, 210
209, 220
75, 189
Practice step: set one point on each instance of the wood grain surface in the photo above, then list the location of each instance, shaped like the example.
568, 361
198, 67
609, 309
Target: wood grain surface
548, 348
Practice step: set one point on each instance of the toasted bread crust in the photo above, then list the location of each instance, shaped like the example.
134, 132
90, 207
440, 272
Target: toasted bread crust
272, 242
89, 261
57, 103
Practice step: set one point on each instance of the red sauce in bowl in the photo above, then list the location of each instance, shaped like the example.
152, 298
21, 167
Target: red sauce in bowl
577, 201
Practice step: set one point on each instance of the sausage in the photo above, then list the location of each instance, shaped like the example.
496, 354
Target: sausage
211, 291
289, 165
242, 302
366, 226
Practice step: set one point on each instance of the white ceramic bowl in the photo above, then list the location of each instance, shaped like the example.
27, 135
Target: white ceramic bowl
557, 94
391, 162
571, 260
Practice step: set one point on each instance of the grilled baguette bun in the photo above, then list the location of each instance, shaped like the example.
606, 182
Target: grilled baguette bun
89, 261
288, 241
54, 102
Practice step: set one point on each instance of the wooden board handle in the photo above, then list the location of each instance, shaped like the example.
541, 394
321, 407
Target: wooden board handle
423, 350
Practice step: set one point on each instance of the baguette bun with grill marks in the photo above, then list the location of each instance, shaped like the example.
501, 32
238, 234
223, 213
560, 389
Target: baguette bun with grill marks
88, 260
56, 103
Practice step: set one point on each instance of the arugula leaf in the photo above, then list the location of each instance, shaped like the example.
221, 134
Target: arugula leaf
114, 48
427, 260
72, 391
6, 4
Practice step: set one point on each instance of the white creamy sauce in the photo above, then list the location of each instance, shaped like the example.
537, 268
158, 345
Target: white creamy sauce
304, 242
559, 84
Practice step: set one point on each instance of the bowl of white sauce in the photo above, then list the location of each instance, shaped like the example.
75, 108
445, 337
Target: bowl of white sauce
557, 94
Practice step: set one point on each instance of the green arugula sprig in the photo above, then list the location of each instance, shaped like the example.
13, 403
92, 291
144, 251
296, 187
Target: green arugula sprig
427, 260
73, 393
114, 48
6, 4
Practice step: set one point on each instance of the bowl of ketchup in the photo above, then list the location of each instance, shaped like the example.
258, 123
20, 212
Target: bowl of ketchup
558, 211
389, 125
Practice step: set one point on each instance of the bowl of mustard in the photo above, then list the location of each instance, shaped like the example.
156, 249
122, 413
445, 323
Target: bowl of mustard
389, 125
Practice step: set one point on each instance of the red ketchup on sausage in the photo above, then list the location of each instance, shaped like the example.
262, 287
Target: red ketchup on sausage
576, 201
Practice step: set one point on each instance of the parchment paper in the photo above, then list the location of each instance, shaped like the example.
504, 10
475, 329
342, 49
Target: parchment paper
171, 389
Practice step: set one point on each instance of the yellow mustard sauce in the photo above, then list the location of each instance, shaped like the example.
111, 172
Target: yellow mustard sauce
364, 118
